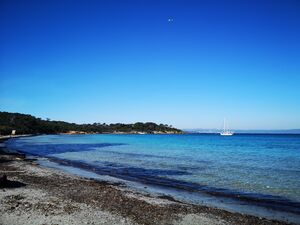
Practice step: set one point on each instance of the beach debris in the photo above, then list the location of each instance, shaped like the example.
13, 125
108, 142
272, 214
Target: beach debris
5, 183
3, 180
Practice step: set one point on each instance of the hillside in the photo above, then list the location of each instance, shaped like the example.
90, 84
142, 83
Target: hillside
27, 124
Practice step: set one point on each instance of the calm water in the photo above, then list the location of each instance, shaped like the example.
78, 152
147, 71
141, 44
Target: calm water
260, 169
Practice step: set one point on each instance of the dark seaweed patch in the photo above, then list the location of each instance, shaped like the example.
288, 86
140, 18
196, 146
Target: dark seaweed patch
49, 149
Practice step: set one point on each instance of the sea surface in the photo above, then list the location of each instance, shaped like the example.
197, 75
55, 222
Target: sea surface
243, 172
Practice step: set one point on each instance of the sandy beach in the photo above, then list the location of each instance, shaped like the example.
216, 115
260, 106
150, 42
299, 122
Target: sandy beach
37, 195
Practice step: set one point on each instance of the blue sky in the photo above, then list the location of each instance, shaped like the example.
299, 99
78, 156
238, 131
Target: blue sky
124, 61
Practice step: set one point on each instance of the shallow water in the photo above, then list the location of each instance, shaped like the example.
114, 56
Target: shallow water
259, 169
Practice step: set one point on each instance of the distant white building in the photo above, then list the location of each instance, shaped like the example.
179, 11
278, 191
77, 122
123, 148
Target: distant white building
13, 132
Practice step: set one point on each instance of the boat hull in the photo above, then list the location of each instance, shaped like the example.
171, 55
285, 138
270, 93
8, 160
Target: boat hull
226, 134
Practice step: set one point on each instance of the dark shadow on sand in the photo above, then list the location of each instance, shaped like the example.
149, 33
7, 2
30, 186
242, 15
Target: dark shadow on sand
5, 160
11, 184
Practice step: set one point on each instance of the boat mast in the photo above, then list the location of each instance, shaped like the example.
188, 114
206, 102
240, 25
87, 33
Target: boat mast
226, 130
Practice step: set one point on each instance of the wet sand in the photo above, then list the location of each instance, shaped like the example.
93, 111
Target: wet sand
38, 195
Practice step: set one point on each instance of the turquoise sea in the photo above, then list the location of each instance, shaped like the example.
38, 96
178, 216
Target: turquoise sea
242, 172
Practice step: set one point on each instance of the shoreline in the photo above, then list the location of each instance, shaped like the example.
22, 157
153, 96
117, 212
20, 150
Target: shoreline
239, 202
259, 205
114, 200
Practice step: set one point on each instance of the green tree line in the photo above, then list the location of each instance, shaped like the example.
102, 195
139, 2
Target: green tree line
27, 124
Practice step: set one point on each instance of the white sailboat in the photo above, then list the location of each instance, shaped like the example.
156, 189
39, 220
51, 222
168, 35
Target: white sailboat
226, 131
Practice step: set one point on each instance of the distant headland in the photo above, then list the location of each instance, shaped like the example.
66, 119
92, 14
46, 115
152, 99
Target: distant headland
240, 131
28, 124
